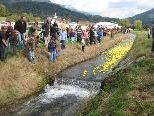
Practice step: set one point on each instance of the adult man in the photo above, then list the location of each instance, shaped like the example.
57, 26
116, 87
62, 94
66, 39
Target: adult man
47, 31
152, 33
79, 34
55, 30
92, 36
3, 43
63, 25
21, 26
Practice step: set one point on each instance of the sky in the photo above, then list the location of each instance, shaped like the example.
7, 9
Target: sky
109, 8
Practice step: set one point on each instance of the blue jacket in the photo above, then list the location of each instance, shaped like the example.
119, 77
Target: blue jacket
63, 35
100, 34
51, 47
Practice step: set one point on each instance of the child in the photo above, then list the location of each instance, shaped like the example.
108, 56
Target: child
31, 48
72, 36
58, 48
63, 37
52, 49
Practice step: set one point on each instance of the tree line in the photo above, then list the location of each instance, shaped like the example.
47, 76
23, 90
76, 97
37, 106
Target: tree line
35, 9
137, 24
44, 10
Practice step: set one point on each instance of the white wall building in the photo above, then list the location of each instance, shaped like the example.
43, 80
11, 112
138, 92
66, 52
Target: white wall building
109, 25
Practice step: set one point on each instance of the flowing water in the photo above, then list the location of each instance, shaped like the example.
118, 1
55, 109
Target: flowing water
69, 92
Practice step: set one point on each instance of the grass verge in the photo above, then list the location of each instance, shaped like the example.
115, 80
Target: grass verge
130, 92
20, 79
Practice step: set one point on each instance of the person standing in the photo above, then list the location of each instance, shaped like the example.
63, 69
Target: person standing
152, 33
92, 36
100, 35
3, 44
31, 48
52, 49
63, 25
79, 34
83, 44
112, 34
21, 27
47, 31
63, 38
149, 33
86, 37
72, 36
54, 30
14, 43
9, 34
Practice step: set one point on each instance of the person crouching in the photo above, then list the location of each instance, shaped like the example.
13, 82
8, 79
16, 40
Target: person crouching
31, 48
52, 49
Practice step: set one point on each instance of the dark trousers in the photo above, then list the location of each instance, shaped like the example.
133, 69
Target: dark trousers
62, 44
148, 36
92, 40
14, 49
83, 47
79, 38
99, 39
152, 45
2, 52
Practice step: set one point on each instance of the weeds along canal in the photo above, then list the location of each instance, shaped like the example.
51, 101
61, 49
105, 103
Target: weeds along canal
76, 85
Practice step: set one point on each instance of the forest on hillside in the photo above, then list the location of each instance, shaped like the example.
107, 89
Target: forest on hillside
44, 10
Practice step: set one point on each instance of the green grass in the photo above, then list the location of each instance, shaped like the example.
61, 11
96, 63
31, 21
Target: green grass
130, 91
20, 79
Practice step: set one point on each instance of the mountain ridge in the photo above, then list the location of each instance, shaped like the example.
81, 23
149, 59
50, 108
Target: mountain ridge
146, 17
45, 9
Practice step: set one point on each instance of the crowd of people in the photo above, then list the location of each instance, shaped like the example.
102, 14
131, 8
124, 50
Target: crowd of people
53, 35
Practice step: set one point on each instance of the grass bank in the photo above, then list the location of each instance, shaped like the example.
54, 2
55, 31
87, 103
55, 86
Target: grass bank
20, 79
130, 92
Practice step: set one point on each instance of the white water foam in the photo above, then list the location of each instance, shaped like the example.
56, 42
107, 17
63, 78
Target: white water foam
52, 93
58, 91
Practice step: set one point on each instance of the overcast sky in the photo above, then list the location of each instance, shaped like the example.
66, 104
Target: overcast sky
109, 8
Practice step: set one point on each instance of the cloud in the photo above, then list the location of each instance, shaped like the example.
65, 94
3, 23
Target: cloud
84, 5
109, 8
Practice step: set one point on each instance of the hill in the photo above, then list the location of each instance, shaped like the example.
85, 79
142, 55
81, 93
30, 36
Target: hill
147, 17
12, 1
44, 9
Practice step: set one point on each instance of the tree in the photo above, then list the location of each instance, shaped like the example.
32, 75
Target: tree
124, 22
138, 24
2, 10
13, 17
